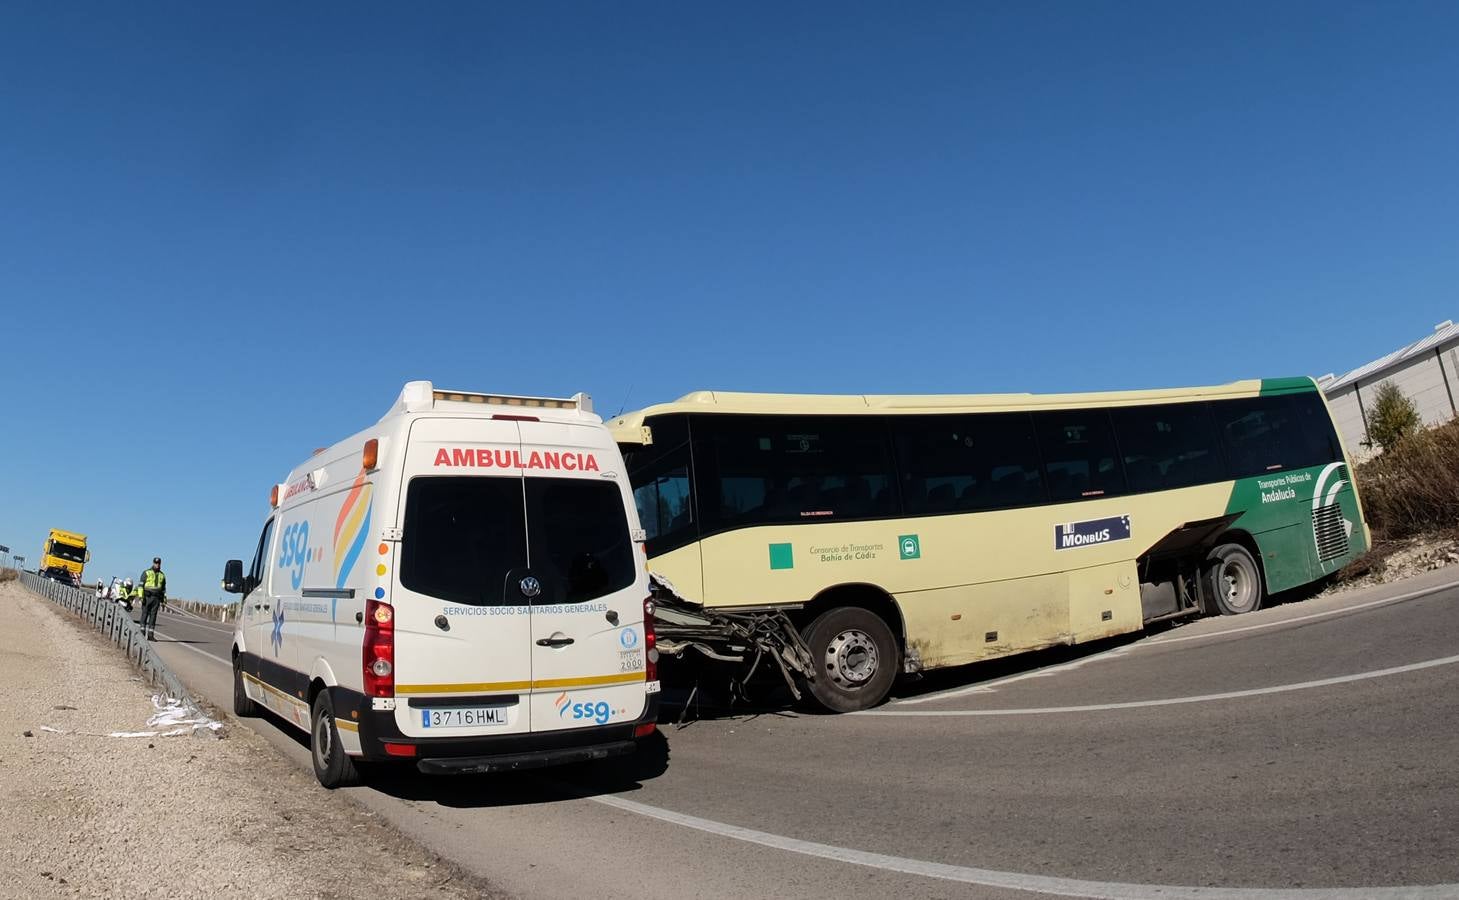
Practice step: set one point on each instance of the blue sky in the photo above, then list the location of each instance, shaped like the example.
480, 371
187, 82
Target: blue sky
230, 234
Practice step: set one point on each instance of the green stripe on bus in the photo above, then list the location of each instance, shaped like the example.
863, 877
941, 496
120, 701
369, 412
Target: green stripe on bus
1286, 385
1277, 510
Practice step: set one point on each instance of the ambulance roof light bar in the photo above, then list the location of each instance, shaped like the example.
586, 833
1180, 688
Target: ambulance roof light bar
418, 396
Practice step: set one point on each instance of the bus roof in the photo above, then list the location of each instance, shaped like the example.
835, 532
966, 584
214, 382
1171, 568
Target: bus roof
628, 428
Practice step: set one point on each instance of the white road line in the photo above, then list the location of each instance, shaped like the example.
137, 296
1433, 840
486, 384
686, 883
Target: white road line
1411, 595
202, 623
179, 642
1168, 701
988, 686
1018, 881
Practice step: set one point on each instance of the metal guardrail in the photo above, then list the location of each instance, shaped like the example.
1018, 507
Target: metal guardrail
114, 622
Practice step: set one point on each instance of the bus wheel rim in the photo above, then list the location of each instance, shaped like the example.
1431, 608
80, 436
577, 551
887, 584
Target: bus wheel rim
1237, 583
851, 658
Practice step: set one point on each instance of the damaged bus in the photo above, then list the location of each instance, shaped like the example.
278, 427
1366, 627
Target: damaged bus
869, 536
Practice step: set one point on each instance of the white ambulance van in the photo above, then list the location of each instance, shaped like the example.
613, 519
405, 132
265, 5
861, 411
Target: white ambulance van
462, 586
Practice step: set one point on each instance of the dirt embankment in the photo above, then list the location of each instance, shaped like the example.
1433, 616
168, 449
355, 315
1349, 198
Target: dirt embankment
197, 815
1395, 560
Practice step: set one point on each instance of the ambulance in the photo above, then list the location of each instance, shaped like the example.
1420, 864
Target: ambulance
461, 586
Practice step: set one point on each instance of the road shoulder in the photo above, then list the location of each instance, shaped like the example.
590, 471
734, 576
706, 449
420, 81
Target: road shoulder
189, 815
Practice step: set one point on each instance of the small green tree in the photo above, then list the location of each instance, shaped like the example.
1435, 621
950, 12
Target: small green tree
1393, 418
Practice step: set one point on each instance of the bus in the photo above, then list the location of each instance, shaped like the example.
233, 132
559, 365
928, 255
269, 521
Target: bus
907, 533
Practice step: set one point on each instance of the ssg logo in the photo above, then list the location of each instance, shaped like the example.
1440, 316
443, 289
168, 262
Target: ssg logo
598, 711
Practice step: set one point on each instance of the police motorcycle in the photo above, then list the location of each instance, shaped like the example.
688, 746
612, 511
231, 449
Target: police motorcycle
124, 594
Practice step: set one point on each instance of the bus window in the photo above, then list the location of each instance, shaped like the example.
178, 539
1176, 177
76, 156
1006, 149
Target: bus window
1318, 435
965, 463
1171, 445
661, 490
765, 469
662, 499
1275, 433
1079, 455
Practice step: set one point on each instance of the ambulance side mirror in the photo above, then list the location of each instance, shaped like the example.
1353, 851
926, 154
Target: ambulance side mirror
233, 577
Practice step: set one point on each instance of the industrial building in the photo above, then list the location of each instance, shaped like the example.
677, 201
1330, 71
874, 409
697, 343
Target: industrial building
1425, 371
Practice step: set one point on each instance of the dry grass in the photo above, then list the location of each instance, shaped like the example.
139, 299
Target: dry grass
8, 575
1413, 488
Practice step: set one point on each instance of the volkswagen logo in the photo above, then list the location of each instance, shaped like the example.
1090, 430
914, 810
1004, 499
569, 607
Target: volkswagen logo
530, 586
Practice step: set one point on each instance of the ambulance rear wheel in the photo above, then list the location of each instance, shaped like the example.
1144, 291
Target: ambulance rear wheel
332, 766
855, 657
243, 706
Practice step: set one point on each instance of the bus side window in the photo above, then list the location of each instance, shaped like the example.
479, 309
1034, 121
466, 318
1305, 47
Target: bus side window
954, 463
1171, 445
1078, 450
1274, 433
754, 470
1319, 438
662, 498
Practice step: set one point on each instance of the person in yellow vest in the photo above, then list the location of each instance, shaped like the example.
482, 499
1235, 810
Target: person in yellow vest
154, 592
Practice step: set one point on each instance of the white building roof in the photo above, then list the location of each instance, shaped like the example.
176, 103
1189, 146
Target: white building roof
1443, 332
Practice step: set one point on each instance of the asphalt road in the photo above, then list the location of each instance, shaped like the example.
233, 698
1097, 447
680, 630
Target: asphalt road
1310, 747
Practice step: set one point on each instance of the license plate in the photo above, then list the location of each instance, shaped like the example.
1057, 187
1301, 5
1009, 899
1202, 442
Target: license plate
463, 717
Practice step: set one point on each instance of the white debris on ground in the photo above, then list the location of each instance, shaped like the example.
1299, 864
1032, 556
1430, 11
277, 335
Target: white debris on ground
1396, 560
178, 717
109, 791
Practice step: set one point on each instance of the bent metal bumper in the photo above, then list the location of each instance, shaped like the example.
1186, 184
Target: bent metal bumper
480, 765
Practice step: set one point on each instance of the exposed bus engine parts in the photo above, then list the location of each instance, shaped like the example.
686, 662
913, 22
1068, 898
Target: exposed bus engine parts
746, 637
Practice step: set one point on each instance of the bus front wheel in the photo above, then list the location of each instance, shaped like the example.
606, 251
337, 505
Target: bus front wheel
1234, 580
856, 659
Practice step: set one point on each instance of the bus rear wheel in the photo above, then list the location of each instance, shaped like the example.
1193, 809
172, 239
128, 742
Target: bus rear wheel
855, 656
1234, 581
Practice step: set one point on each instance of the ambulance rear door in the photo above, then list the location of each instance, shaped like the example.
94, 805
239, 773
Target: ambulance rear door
463, 631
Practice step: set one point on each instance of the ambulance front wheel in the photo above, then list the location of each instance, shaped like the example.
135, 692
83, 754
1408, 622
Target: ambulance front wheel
332, 766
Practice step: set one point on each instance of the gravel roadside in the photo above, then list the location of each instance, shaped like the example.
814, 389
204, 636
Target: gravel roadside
194, 815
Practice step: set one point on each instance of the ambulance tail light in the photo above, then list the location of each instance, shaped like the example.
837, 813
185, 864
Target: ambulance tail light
516, 418
379, 649
650, 642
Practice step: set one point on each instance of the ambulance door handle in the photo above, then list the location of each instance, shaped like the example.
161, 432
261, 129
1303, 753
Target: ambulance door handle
359, 617
554, 642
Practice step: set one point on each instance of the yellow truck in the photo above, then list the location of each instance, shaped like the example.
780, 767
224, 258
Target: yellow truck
64, 556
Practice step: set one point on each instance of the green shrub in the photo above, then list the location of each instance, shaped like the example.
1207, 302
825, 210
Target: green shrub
1394, 417
1413, 487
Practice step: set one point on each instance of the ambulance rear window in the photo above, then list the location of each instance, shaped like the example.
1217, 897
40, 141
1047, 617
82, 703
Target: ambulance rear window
466, 539
462, 537
580, 546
